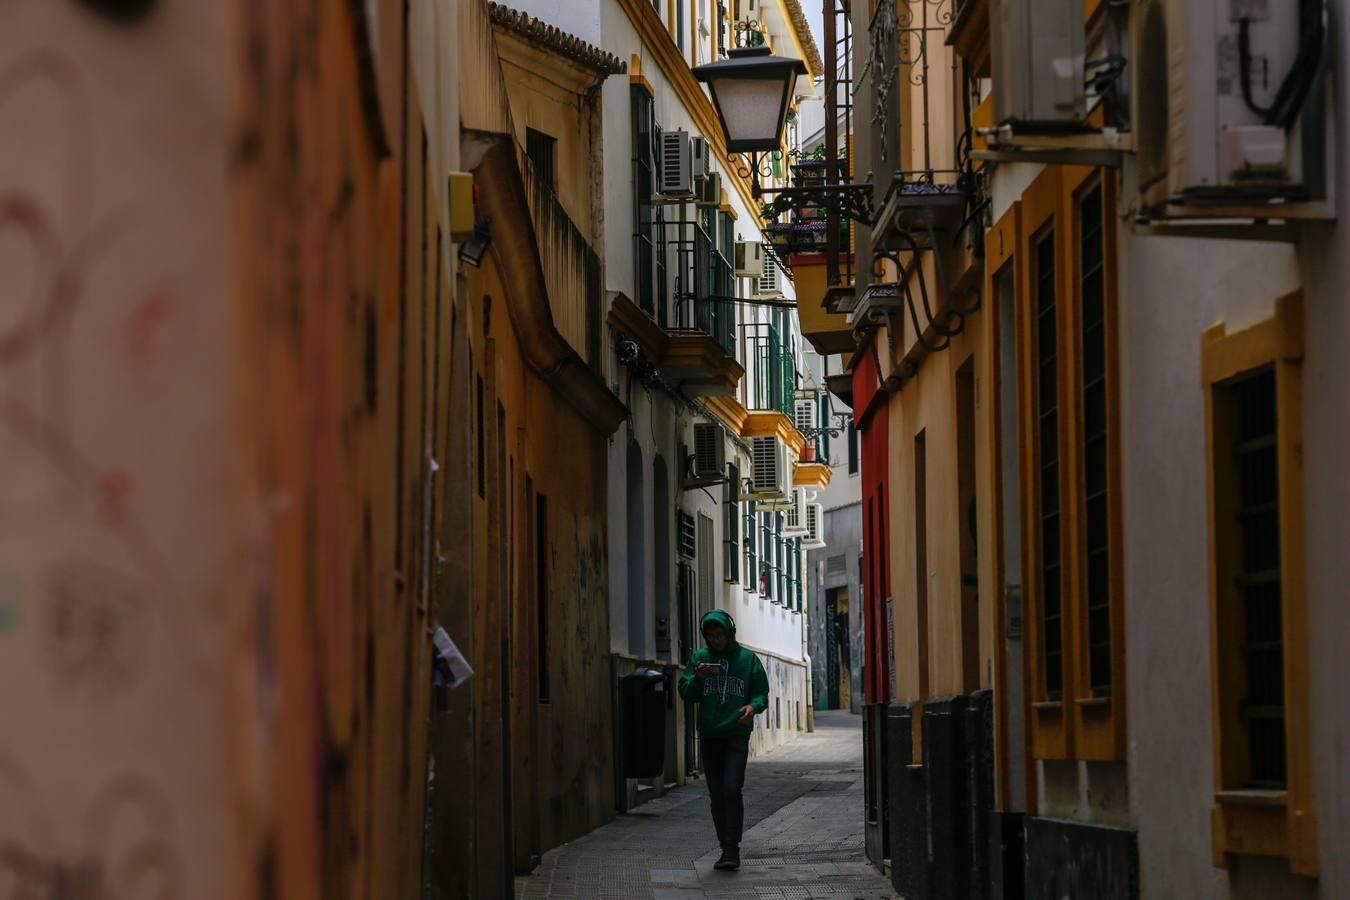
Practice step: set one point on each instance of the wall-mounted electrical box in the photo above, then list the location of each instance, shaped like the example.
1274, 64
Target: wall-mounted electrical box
461, 194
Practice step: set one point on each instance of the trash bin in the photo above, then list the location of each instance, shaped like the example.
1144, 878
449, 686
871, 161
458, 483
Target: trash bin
643, 695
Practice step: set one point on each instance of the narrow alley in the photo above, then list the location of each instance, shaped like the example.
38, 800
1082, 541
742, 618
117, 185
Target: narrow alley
443, 438
803, 834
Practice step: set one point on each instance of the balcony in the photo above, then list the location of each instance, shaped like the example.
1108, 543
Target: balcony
773, 367
701, 335
684, 318
822, 308
969, 35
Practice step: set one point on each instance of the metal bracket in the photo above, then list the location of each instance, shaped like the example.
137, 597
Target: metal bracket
854, 201
1110, 159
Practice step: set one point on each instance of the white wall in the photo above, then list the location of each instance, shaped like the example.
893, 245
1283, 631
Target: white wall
576, 17
1325, 256
1172, 290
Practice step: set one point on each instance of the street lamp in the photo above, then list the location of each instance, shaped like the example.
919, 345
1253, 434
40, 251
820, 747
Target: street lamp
751, 90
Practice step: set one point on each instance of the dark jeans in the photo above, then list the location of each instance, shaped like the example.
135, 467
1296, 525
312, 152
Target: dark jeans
724, 760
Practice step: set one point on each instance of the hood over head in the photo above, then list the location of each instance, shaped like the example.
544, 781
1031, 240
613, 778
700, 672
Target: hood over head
720, 618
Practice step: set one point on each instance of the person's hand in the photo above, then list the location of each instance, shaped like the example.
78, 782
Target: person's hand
747, 713
705, 669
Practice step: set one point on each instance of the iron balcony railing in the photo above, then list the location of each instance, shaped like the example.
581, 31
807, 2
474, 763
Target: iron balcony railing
705, 282
773, 362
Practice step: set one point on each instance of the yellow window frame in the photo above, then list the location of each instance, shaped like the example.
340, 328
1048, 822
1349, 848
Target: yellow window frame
1257, 822
1075, 725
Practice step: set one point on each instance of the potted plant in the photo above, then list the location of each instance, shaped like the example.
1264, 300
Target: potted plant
780, 234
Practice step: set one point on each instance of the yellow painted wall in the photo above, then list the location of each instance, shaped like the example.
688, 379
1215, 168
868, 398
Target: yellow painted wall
560, 751
927, 402
545, 90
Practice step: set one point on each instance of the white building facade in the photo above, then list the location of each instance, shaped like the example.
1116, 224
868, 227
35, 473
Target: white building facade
706, 354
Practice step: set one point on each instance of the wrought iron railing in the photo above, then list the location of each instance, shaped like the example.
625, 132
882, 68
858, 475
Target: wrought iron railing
773, 362
705, 282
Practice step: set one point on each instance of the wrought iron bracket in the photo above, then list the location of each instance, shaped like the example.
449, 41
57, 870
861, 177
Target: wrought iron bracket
834, 431
853, 201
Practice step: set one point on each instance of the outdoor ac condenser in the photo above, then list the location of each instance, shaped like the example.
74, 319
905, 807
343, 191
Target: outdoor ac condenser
770, 471
701, 157
677, 171
815, 521
1036, 51
805, 414
767, 286
794, 520
710, 456
1231, 117
749, 259
710, 191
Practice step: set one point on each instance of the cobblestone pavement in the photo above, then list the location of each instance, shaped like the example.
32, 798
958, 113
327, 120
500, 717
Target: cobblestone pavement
803, 834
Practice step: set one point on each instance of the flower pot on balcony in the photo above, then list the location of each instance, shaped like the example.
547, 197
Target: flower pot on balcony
808, 237
780, 234
808, 173
809, 453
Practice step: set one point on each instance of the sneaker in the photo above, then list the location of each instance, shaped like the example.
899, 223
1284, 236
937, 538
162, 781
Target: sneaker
730, 860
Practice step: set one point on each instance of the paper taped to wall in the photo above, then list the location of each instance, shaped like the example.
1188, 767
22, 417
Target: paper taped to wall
450, 663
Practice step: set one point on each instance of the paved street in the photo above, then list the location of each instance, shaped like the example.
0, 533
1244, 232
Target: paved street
803, 838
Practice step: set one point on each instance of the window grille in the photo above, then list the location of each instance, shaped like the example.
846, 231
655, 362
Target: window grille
768, 558
542, 150
852, 448
1256, 456
688, 536
781, 548
1094, 429
648, 218
751, 560
731, 558
1047, 416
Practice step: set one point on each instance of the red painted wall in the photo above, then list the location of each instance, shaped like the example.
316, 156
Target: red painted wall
873, 432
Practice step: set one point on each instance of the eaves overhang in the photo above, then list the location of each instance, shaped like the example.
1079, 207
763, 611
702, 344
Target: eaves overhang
504, 202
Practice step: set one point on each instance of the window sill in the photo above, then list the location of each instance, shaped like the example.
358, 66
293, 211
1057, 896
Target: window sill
1250, 823
1048, 704
1279, 799
1093, 702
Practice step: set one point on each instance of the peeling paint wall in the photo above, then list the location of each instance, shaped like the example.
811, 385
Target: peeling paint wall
344, 323
117, 559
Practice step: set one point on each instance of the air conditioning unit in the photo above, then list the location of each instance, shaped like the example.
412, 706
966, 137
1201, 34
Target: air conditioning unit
700, 157
677, 174
794, 521
708, 465
767, 286
770, 471
749, 259
806, 415
710, 191
1036, 52
814, 539
1231, 113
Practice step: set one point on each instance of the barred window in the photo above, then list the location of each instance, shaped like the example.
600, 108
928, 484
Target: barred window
731, 551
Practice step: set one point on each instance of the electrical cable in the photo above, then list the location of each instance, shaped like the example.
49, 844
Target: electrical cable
1293, 91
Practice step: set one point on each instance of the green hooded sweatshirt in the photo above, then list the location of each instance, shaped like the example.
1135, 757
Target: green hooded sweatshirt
720, 697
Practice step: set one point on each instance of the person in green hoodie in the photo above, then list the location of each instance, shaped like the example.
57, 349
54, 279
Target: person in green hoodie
729, 684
